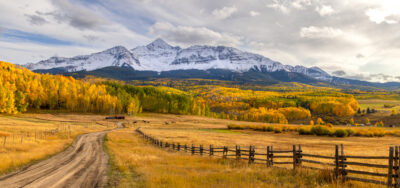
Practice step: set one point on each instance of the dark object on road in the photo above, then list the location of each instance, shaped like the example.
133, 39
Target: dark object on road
115, 117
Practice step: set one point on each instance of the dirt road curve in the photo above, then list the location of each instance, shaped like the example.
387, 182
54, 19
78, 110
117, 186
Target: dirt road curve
84, 164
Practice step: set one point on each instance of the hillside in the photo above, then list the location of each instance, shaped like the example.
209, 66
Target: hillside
42, 91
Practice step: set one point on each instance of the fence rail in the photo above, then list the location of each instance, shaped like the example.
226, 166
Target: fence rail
296, 157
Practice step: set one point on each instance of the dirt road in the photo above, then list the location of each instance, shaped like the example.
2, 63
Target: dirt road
84, 164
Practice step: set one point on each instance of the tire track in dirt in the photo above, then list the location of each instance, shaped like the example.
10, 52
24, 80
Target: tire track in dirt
83, 164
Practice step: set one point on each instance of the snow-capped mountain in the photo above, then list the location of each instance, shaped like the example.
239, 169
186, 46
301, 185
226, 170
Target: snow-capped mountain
159, 56
116, 56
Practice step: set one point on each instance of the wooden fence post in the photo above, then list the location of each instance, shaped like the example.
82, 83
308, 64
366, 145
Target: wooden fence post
225, 152
5, 141
161, 144
192, 149
390, 169
185, 147
342, 160
294, 157
268, 163
396, 166
211, 150
201, 149
336, 161
179, 147
22, 137
249, 154
238, 154
173, 146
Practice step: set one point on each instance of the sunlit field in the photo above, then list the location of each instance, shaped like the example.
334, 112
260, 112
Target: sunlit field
30, 137
136, 163
206, 131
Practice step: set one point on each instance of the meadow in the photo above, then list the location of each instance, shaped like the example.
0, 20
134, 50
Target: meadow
130, 153
136, 163
27, 138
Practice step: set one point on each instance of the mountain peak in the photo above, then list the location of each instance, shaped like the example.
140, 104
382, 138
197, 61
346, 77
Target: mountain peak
116, 49
159, 43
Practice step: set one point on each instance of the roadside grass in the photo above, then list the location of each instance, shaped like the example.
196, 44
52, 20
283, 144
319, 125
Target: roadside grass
20, 147
142, 165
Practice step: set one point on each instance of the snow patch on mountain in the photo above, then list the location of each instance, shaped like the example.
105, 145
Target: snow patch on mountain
116, 56
160, 56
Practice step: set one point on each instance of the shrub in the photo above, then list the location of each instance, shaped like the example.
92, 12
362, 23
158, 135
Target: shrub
379, 132
350, 132
340, 133
234, 126
320, 130
388, 105
278, 130
304, 131
270, 128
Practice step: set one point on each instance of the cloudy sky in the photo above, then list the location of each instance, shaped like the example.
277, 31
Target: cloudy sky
350, 38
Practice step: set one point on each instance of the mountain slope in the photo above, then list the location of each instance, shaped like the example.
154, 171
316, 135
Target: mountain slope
161, 60
159, 56
116, 56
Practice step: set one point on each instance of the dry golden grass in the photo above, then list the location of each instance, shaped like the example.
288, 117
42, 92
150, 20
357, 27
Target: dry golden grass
15, 154
206, 131
137, 163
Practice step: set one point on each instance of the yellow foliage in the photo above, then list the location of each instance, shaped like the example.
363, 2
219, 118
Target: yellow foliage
51, 92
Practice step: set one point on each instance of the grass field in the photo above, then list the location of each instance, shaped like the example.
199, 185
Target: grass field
27, 138
139, 164
378, 104
128, 151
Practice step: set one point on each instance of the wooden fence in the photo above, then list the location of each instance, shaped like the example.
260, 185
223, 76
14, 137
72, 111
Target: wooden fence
344, 167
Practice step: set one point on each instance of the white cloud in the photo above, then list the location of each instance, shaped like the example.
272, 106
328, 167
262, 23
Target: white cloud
254, 13
320, 32
288, 31
71, 27
388, 12
186, 35
349, 37
26, 52
285, 6
301, 4
224, 12
280, 6
324, 10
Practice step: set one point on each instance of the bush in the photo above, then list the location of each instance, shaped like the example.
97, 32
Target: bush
234, 126
350, 132
340, 133
379, 132
278, 130
304, 131
320, 131
270, 128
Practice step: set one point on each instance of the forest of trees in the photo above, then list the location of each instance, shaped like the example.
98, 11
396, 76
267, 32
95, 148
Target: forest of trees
274, 107
161, 99
21, 89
